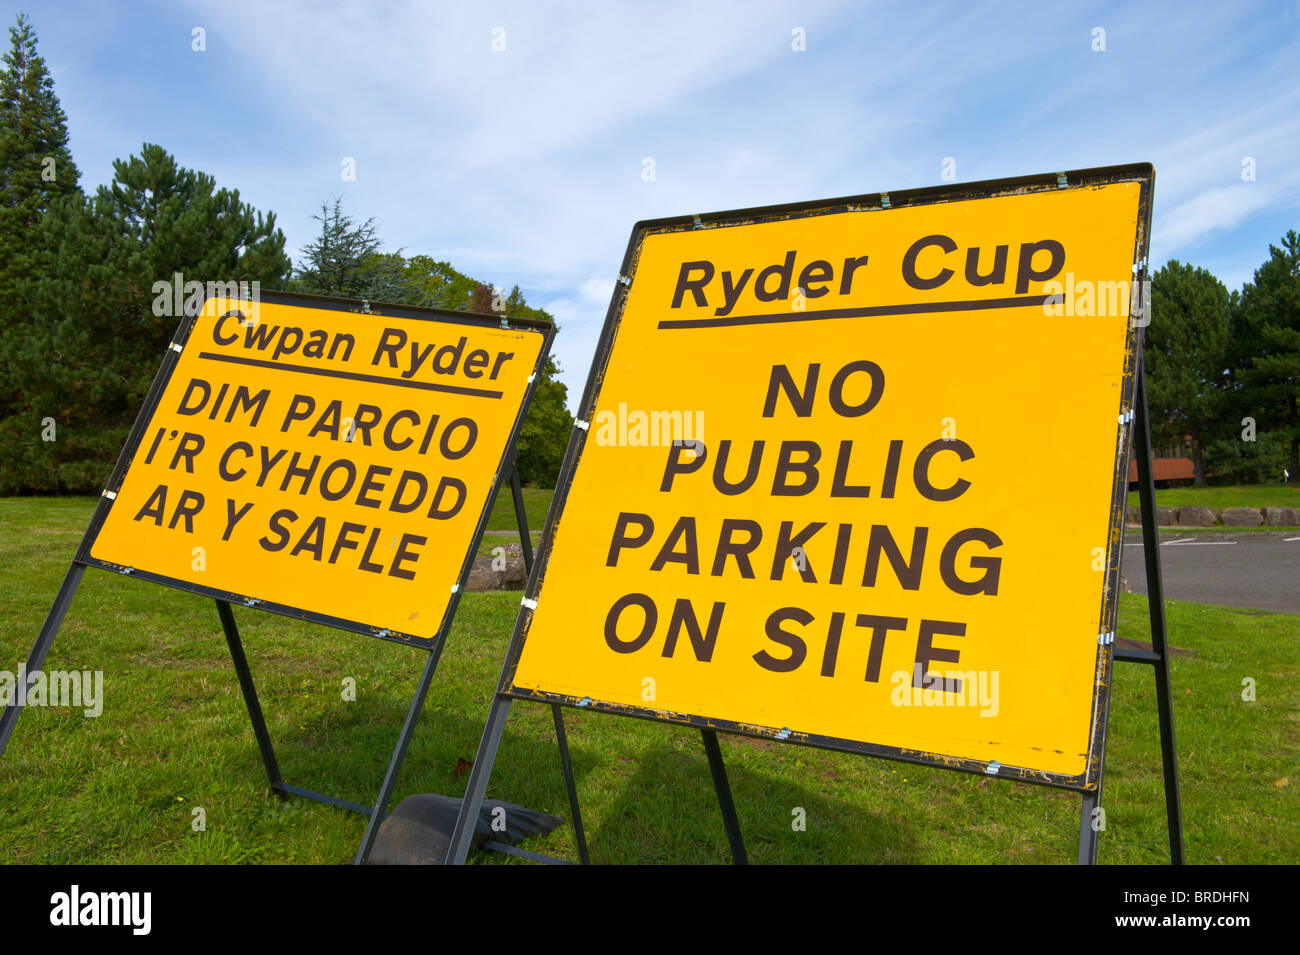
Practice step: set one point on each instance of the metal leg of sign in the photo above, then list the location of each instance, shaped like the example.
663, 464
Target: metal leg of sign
42, 646
723, 789
417, 704
1159, 657
250, 693
462, 836
521, 518
399, 754
561, 738
246, 686
1090, 826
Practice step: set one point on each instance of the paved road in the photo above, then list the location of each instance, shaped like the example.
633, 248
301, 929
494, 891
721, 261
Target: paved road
1237, 570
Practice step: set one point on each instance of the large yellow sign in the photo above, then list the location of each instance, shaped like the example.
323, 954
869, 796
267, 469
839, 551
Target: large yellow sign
315, 459
852, 475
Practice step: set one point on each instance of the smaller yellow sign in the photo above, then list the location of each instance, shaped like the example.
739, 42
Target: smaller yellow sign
323, 461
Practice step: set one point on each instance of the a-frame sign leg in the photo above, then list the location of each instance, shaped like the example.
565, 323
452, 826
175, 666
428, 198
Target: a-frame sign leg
1090, 824
255, 716
399, 754
462, 836
1157, 657
250, 693
42, 646
1156, 604
417, 704
557, 713
561, 739
476, 789
720, 785
521, 520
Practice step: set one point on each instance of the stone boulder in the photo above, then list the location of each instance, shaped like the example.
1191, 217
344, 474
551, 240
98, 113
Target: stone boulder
1241, 517
1196, 517
514, 574
1166, 516
482, 576
1282, 516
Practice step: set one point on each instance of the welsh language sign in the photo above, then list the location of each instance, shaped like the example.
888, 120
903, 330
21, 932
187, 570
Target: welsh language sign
311, 458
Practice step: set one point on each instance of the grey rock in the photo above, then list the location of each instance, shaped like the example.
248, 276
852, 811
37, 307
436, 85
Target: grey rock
482, 576
1196, 517
1282, 516
514, 573
1241, 517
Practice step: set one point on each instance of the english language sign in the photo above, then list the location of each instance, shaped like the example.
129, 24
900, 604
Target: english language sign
901, 532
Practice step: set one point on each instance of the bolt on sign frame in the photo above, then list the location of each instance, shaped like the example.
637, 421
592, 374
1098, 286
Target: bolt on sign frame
961, 350
365, 443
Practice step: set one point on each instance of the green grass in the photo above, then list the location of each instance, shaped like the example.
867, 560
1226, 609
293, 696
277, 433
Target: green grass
536, 501
174, 735
1247, 495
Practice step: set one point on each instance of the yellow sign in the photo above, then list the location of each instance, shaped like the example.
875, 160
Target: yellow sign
852, 475
313, 459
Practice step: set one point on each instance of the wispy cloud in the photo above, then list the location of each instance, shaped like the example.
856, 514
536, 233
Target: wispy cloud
524, 165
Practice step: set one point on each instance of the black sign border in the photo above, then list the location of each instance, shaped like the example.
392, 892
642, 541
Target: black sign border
1088, 781
362, 310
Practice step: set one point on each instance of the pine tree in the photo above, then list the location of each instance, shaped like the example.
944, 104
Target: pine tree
338, 257
36, 167
1269, 321
36, 173
1185, 355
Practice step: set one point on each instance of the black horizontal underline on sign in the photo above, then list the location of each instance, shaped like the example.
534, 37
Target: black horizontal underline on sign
866, 311
352, 375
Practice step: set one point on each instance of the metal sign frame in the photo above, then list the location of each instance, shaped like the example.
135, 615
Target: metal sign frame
433, 646
1132, 428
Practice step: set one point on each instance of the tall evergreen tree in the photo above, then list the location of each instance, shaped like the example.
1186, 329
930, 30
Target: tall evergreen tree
1269, 321
36, 172
336, 260
36, 167
1186, 348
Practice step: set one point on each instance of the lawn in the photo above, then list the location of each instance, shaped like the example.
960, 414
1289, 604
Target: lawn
174, 736
536, 501
1247, 495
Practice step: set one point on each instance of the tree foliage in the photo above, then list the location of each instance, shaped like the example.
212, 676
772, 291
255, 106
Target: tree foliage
547, 425
1186, 347
344, 260
36, 171
91, 333
1267, 326
336, 260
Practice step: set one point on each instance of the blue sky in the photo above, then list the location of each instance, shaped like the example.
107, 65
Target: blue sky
524, 165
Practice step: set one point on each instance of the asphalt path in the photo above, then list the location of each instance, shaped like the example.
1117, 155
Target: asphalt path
1260, 570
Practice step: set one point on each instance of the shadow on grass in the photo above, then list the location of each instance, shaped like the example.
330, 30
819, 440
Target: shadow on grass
647, 797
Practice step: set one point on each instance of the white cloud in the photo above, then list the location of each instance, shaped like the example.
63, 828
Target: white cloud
525, 166
1222, 207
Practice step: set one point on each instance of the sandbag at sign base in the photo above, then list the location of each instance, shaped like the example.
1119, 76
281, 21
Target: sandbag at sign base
418, 831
